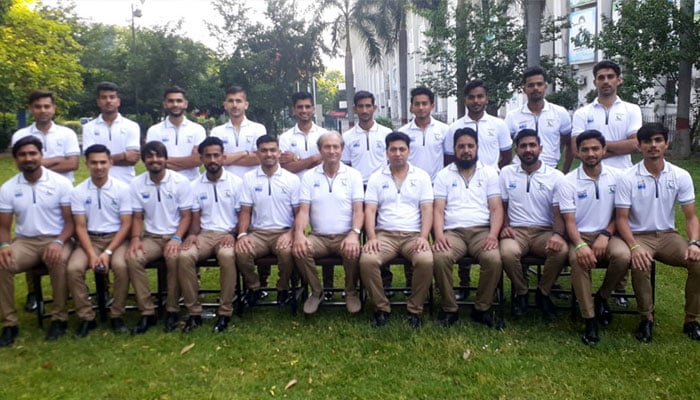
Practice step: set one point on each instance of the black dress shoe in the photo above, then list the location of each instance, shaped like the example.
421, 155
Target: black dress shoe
602, 310
31, 305
251, 297
118, 325
590, 334
518, 306
85, 327
144, 324
56, 330
544, 302
9, 333
448, 319
193, 322
172, 321
221, 324
692, 329
414, 320
645, 331
380, 319
283, 298
487, 318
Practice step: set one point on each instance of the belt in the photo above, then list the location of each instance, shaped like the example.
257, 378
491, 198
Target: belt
101, 234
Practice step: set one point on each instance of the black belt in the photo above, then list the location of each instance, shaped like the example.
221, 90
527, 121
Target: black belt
100, 234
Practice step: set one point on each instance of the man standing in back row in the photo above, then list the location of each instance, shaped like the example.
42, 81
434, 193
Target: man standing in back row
298, 144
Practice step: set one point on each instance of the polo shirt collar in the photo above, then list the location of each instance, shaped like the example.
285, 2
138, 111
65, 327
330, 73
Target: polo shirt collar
298, 131
43, 178
387, 169
203, 178
245, 122
597, 104
413, 125
581, 174
117, 120
341, 170
374, 128
642, 170
34, 130
168, 124
107, 184
260, 172
541, 170
166, 178
453, 166
525, 110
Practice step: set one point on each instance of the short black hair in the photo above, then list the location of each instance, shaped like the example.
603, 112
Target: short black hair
97, 148
154, 147
174, 89
534, 71
236, 90
422, 90
650, 129
40, 94
590, 134
210, 141
26, 141
465, 132
107, 87
302, 96
605, 64
266, 139
396, 135
362, 94
473, 84
526, 133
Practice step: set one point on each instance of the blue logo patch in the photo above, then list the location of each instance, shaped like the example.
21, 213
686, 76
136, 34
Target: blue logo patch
145, 196
641, 185
165, 139
512, 186
582, 195
258, 188
385, 186
88, 201
356, 144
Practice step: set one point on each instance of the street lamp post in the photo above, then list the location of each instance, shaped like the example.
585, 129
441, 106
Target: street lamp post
135, 13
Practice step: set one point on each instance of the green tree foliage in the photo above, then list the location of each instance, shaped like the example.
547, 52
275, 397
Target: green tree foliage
272, 57
35, 53
327, 89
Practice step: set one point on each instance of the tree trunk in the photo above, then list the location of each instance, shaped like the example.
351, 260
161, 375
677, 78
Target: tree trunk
461, 70
349, 80
533, 21
403, 70
681, 141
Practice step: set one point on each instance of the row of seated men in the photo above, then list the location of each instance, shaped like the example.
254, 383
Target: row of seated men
594, 214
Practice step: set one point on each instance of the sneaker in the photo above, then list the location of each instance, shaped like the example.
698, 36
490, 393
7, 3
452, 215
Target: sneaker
31, 305
590, 334
353, 304
312, 302
621, 301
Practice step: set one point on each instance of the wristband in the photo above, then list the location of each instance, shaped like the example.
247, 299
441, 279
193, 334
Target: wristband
240, 235
176, 238
635, 247
4, 244
581, 245
605, 233
58, 242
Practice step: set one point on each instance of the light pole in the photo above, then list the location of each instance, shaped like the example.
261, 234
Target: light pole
135, 13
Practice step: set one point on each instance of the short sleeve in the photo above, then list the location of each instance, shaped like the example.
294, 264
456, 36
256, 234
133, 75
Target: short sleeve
623, 193
77, 205
564, 122
578, 124
686, 191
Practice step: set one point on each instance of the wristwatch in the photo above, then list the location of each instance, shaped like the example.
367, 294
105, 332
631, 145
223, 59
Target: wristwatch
694, 242
356, 230
108, 252
605, 233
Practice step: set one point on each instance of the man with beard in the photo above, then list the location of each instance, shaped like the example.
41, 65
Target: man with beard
495, 143
586, 201
269, 202
214, 220
179, 135
427, 134
238, 134
39, 199
645, 215
531, 224
101, 208
334, 189
121, 135
398, 220
162, 203
551, 122
365, 149
467, 217
298, 144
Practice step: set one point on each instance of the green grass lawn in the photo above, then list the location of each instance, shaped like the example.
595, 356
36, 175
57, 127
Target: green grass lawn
336, 356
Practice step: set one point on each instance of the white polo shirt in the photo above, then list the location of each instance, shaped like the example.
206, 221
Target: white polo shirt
161, 204
302, 145
241, 140
467, 201
218, 202
273, 198
398, 208
331, 198
366, 150
103, 206
179, 140
551, 124
60, 141
592, 201
619, 123
493, 134
530, 197
652, 201
124, 134
427, 145
37, 207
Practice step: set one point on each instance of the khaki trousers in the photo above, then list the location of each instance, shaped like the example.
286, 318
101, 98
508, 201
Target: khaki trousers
468, 241
208, 242
669, 247
27, 254
322, 246
152, 250
78, 267
264, 243
394, 243
532, 240
617, 260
